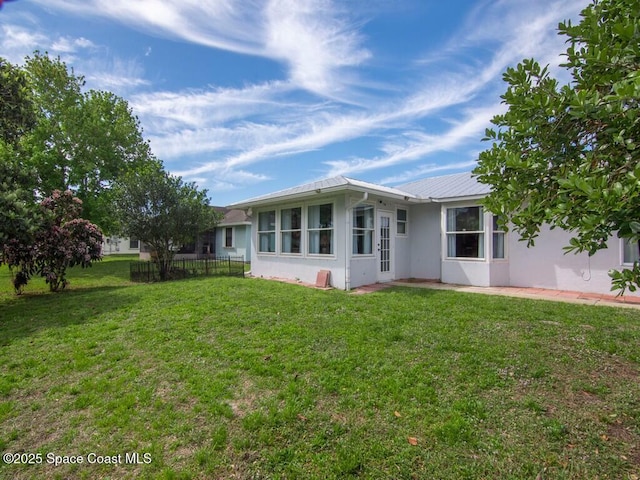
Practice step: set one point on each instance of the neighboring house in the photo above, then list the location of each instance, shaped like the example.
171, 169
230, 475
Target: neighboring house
231, 237
233, 234
431, 229
120, 245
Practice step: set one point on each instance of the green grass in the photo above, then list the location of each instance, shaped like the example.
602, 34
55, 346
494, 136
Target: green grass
248, 378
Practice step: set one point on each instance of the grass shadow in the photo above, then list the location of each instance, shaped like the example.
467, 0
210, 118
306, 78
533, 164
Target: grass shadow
25, 315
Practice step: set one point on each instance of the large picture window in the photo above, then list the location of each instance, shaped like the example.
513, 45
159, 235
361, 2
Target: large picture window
291, 229
320, 229
267, 232
465, 232
363, 230
631, 251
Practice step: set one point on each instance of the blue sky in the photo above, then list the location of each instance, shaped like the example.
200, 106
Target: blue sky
246, 97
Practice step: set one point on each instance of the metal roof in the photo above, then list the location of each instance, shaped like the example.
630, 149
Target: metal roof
324, 186
447, 187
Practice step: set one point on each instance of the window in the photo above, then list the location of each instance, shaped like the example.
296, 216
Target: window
465, 232
267, 232
228, 237
134, 243
498, 239
291, 229
363, 230
401, 221
320, 229
631, 251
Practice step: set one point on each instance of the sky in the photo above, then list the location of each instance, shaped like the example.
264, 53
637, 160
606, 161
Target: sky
248, 97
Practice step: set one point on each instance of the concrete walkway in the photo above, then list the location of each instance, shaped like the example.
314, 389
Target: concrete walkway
520, 292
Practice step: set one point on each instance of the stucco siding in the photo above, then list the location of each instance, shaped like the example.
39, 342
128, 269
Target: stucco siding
303, 266
546, 266
425, 238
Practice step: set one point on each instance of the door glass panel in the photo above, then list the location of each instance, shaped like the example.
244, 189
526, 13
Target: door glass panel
385, 244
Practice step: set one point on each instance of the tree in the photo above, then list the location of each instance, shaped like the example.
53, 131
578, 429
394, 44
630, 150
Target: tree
62, 240
17, 114
18, 212
82, 142
162, 211
568, 156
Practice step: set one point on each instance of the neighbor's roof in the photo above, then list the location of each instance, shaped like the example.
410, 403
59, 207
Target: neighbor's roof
324, 186
233, 216
447, 187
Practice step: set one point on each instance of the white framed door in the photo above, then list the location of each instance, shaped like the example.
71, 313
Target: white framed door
384, 244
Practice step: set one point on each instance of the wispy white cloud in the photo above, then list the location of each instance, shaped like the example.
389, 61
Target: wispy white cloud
309, 36
68, 44
417, 145
223, 136
429, 169
16, 42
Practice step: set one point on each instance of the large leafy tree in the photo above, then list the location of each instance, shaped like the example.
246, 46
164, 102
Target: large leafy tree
162, 211
17, 115
82, 141
568, 155
18, 213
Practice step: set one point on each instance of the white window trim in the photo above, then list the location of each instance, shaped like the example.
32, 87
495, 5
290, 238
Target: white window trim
405, 221
372, 229
307, 230
505, 242
233, 237
486, 242
301, 230
258, 232
623, 241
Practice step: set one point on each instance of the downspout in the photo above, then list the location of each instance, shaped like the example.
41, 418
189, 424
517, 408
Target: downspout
348, 240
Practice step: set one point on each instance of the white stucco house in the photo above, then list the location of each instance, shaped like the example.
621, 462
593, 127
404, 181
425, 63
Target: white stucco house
433, 229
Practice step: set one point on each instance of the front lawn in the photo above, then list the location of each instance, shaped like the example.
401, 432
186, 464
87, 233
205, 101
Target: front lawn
249, 378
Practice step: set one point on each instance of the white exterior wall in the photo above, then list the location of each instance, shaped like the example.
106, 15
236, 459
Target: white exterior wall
303, 266
546, 266
425, 241
118, 246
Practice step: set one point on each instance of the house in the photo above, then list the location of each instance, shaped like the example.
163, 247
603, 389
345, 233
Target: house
432, 229
120, 245
233, 234
230, 237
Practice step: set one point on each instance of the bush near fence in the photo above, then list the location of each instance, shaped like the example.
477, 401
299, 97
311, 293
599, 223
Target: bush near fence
147, 271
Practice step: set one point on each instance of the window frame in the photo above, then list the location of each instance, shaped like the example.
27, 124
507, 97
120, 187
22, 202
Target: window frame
480, 233
131, 242
311, 231
268, 233
232, 243
404, 222
363, 231
291, 231
497, 231
623, 250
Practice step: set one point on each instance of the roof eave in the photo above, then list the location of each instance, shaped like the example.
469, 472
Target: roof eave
320, 191
466, 198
